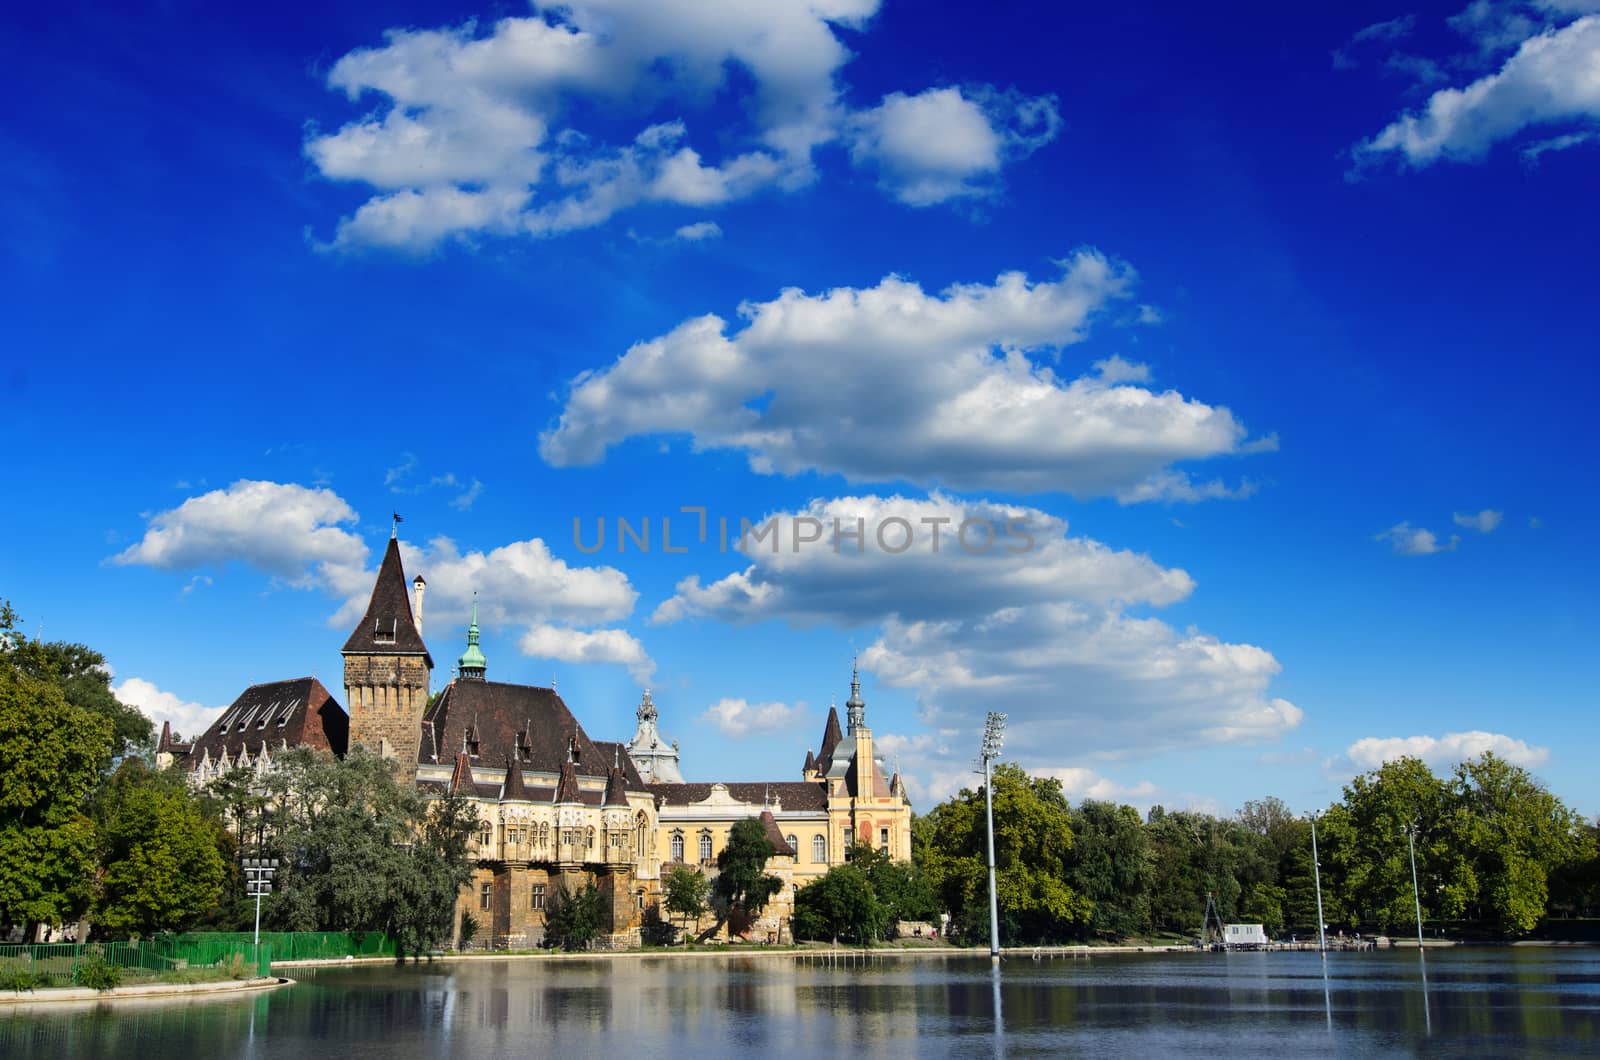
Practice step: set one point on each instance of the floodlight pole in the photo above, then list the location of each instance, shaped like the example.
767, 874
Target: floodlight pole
1316, 873
994, 727
1416, 894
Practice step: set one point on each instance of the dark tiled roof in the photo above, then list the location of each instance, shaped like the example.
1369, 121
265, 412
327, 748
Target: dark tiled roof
790, 794
297, 713
618, 752
388, 627
780, 845
531, 723
170, 746
811, 761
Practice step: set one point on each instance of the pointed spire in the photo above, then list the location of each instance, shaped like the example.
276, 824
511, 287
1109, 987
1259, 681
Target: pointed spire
388, 627
855, 706
616, 788
461, 779
513, 790
472, 665
831, 737
165, 743
811, 762
567, 787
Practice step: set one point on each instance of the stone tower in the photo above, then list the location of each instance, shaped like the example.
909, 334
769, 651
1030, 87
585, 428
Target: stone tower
387, 670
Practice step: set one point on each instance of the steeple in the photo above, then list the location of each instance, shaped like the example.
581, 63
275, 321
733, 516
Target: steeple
387, 670
855, 706
472, 664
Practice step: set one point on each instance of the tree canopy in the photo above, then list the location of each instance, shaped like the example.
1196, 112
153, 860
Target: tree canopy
742, 880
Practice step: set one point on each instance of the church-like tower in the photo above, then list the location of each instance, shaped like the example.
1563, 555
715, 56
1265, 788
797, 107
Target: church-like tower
654, 758
387, 670
472, 665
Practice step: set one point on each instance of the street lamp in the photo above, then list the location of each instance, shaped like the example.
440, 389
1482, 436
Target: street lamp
994, 728
258, 873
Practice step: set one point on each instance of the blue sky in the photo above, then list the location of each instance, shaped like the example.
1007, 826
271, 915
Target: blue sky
1277, 335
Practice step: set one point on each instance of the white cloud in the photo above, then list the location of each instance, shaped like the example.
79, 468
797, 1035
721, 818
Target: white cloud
1550, 79
188, 719
613, 646
909, 559
475, 130
1078, 783
947, 143
1442, 752
738, 719
284, 530
1410, 540
287, 531
699, 231
890, 383
1044, 632
1534, 151
1484, 522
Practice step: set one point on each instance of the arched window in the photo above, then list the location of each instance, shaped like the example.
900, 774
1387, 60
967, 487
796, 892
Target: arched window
677, 846
588, 838
485, 834
705, 846
819, 849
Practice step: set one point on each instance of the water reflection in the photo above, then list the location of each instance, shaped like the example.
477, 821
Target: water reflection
1495, 1001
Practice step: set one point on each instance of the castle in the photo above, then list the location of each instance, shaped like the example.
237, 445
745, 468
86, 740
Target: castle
556, 808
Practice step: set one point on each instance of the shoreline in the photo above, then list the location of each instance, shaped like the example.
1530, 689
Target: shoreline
83, 995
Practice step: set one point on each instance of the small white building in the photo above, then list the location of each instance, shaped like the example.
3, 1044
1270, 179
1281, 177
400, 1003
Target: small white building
1244, 936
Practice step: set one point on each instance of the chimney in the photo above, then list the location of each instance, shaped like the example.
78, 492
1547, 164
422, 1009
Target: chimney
418, 586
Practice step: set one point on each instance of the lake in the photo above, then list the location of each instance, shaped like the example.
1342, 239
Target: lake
1503, 1001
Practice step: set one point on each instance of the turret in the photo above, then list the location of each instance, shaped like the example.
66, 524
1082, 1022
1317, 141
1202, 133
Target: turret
472, 664
387, 670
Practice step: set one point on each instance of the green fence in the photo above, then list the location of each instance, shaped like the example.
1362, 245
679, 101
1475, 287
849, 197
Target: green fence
58, 963
298, 945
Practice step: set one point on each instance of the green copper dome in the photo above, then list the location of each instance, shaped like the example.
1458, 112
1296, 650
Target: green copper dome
472, 664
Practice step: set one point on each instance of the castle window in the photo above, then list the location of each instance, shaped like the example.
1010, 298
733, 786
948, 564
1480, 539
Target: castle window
819, 850
883, 838
677, 847
536, 896
485, 896
485, 834
705, 846
588, 838
794, 844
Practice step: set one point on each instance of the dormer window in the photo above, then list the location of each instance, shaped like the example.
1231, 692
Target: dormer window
469, 743
384, 636
524, 750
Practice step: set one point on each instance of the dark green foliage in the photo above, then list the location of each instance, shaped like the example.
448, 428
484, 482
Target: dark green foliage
96, 973
686, 892
85, 683
742, 881
572, 920
469, 929
18, 978
362, 852
840, 905
1111, 866
1033, 841
51, 756
902, 889
161, 865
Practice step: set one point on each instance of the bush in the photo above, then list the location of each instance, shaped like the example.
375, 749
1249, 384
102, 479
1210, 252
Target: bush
97, 974
18, 979
469, 931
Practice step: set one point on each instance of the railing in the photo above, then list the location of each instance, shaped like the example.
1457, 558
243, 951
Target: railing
298, 945
58, 963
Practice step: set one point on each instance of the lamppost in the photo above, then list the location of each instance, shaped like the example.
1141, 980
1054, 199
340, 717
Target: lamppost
258, 873
994, 728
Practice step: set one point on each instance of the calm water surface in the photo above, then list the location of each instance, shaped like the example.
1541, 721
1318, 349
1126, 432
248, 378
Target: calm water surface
1523, 1001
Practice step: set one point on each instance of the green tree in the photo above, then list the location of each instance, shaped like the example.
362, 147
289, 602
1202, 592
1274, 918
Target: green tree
1111, 867
688, 893
742, 880
162, 869
1366, 858
51, 755
901, 888
1196, 854
362, 852
83, 678
841, 904
572, 920
1033, 840
1518, 835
